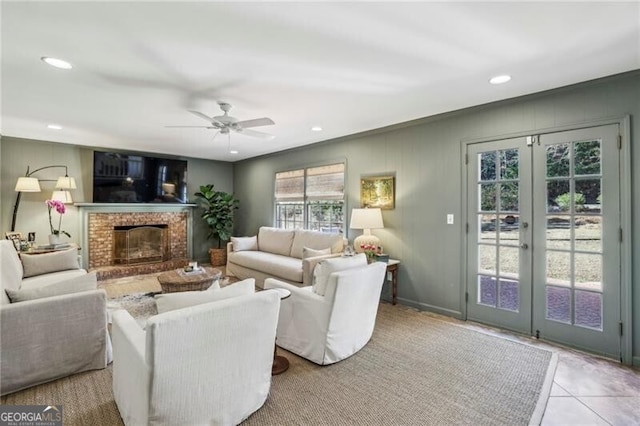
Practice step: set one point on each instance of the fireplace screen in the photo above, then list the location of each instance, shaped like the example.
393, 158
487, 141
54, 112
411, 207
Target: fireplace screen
140, 244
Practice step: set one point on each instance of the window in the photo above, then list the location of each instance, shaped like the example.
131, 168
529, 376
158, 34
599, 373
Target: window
311, 198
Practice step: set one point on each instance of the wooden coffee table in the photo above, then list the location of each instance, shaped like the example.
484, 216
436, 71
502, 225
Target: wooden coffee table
179, 280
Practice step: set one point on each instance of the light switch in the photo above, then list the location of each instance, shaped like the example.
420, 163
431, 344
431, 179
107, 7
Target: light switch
449, 219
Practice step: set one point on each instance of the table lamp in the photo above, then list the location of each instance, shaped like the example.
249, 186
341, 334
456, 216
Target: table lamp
366, 219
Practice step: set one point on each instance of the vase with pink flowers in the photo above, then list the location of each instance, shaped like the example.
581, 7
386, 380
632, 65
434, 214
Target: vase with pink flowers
58, 206
370, 251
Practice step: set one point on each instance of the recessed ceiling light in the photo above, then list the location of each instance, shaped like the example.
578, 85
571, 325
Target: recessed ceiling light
233, 151
499, 79
58, 63
316, 128
55, 126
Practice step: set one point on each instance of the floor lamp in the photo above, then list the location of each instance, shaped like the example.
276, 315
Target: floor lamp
27, 183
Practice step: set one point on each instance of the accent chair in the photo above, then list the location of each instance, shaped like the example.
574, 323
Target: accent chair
205, 364
326, 323
53, 321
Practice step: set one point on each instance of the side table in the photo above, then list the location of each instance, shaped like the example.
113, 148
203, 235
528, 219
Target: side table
280, 363
392, 268
50, 248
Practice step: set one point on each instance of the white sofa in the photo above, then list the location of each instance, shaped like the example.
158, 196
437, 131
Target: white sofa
335, 318
208, 364
53, 321
286, 254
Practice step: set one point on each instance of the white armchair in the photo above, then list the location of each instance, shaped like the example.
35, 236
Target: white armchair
329, 328
204, 364
52, 324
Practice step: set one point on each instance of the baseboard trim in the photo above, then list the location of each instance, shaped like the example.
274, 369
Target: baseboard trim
431, 308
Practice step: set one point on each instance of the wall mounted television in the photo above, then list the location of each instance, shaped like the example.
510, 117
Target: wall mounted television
134, 178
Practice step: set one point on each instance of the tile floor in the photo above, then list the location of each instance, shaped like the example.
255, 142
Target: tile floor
587, 389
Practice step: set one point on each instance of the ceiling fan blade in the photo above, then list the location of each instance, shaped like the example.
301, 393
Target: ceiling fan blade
196, 127
209, 119
256, 134
201, 115
265, 121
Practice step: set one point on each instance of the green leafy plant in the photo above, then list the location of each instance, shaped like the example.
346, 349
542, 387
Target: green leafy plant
218, 212
564, 201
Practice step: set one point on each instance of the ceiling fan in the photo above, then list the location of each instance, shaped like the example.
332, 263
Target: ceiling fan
225, 123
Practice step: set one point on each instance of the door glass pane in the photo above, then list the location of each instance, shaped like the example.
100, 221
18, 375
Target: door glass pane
487, 165
587, 156
486, 228
558, 304
487, 259
558, 196
588, 270
509, 262
487, 289
559, 268
558, 162
509, 164
559, 232
509, 297
509, 229
588, 195
588, 309
587, 232
488, 197
509, 196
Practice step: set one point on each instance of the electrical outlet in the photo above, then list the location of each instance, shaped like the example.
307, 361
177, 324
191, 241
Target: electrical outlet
449, 219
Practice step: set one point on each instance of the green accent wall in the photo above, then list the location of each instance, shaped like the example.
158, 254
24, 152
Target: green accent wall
427, 160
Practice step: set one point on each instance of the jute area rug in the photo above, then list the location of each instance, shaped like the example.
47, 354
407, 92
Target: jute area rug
416, 370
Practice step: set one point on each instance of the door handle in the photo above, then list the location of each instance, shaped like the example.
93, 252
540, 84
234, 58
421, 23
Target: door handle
524, 246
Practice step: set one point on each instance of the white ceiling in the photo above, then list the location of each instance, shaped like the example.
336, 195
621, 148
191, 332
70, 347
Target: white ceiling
348, 67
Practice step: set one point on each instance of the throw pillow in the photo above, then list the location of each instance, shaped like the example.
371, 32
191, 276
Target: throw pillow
245, 243
326, 267
38, 264
275, 240
74, 285
309, 252
172, 301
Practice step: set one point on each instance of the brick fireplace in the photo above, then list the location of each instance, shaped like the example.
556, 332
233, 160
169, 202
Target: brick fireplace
103, 225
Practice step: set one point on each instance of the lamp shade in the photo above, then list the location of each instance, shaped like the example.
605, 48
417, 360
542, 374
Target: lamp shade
64, 196
366, 219
66, 182
27, 184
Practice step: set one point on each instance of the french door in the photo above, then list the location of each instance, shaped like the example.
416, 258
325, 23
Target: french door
544, 247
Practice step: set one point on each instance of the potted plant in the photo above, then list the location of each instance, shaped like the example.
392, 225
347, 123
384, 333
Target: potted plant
218, 215
58, 206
